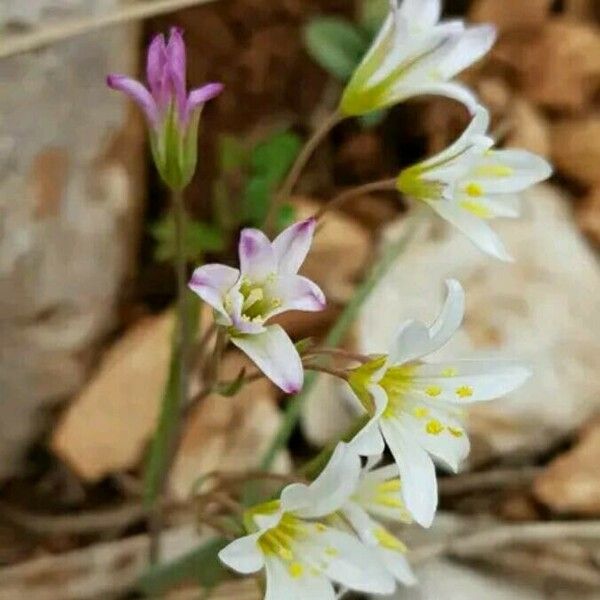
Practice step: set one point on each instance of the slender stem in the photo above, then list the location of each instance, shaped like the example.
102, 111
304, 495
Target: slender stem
336, 335
302, 159
361, 190
328, 370
338, 353
182, 349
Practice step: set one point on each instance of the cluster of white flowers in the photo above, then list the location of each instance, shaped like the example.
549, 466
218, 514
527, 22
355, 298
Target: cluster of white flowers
324, 538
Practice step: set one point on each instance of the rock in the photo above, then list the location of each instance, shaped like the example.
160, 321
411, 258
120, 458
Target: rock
107, 428
70, 168
511, 14
571, 482
229, 434
339, 254
530, 129
576, 148
588, 215
542, 309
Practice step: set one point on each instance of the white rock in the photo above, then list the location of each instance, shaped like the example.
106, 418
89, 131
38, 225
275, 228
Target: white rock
542, 309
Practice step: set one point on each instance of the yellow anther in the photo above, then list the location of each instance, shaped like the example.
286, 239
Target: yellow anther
275, 303
388, 501
421, 412
464, 391
392, 485
434, 427
388, 541
320, 528
494, 170
474, 190
475, 208
433, 390
456, 432
296, 570
449, 372
331, 551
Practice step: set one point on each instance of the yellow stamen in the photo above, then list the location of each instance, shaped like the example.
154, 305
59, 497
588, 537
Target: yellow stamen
433, 390
476, 209
464, 391
392, 485
474, 190
494, 171
434, 427
421, 412
457, 433
449, 372
296, 570
388, 501
389, 541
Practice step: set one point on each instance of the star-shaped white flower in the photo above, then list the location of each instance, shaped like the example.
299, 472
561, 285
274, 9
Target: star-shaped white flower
266, 285
416, 407
302, 553
469, 184
415, 54
378, 498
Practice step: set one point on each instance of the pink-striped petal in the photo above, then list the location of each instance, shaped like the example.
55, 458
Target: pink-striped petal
155, 65
257, 259
292, 245
211, 282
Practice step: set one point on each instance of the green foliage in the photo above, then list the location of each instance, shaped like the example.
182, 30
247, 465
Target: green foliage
336, 45
270, 161
201, 566
372, 13
199, 238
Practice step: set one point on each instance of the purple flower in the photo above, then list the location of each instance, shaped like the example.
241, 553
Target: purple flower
172, 114
266, 285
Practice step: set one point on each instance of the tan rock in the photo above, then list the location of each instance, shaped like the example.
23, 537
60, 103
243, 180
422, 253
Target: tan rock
529, 128
339, 254
576, 148
571, 482
228, 434
588, 215
511, 14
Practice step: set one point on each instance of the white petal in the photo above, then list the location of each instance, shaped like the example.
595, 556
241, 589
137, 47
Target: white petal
473, 44
275, 355
282, 585
477, 127
292, 245
257, 258
509, 171
332, 488
467, 381
354, 565
421, 13
453, 90
211, 282
243, 555
295, 292
368, 441
419, 485
476, 229
397, 564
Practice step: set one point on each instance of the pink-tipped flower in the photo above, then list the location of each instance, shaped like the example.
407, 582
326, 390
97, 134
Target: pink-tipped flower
172, 114
266, 285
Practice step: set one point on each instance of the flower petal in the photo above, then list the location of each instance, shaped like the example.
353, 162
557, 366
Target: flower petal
472, 45
295, 292
138, 93
211, 282
354, 565
450, 89
202, 95
476, 229
421, 14
467, 381
156, 64
397, 564
275, 355
509, 171
301, 585
419, 485
176, 57
368, 441
292, 245
243, 555
257, 258
332, 488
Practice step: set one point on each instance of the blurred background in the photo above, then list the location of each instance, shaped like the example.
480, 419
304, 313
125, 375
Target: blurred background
86, 287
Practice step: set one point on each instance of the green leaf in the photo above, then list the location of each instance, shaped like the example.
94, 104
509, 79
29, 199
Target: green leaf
286, 216
372, 13
231, 388
233, 154
336, 45
199, 237
201, 566
270, 161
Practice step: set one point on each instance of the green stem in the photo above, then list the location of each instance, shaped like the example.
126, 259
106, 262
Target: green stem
336, 336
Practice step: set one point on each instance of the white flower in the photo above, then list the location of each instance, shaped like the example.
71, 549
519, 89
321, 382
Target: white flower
378, 498
417, 406
415, 54
266, 285
469, 183
302, 553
